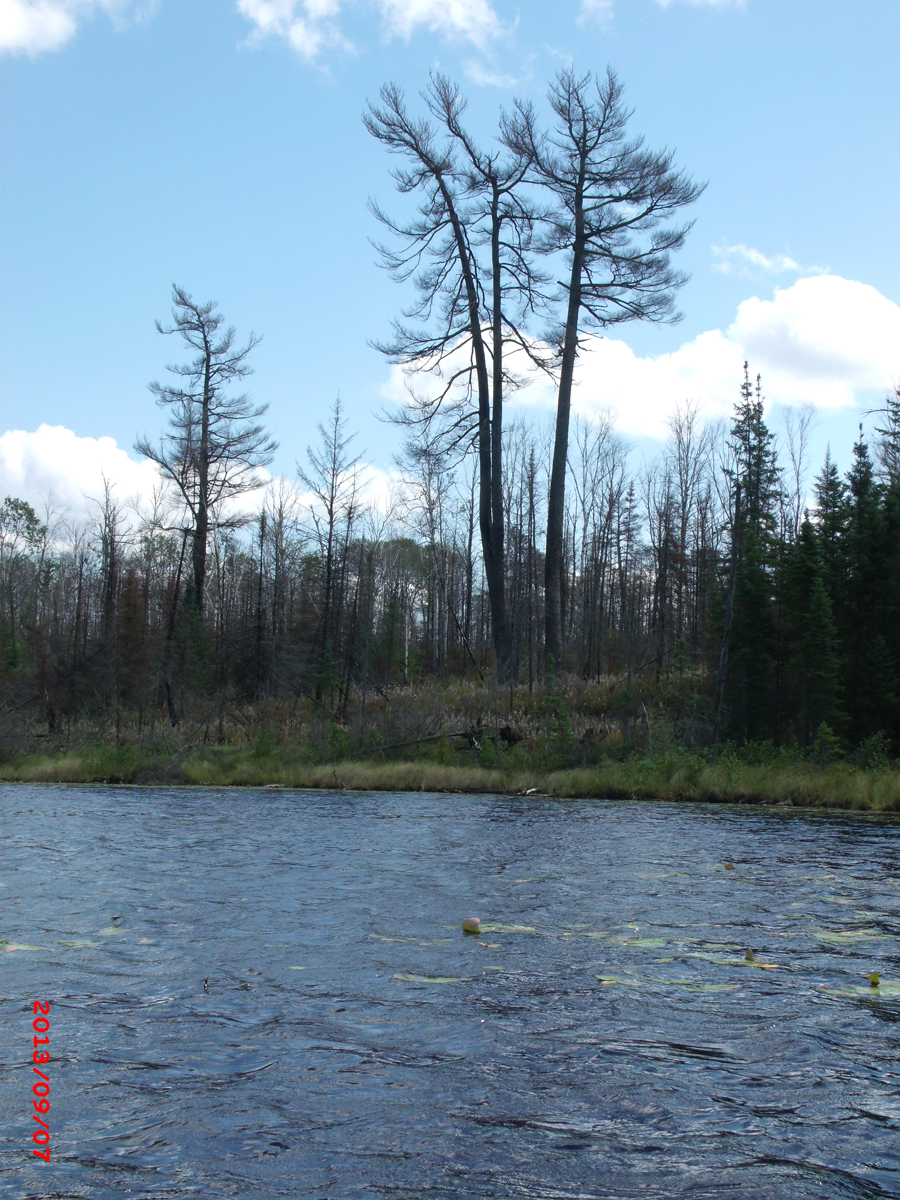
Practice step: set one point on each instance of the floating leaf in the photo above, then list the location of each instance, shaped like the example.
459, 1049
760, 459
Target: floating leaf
886, 988
79, 943
691, 985
11, 946
846, 936
110, 931
411, 941
296, 968
724, 961
507, 929
428, 978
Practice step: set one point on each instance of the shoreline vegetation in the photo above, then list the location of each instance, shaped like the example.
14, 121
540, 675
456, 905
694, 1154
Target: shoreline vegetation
688, 779
577, 740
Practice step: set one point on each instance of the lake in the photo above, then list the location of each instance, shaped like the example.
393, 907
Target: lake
262, 993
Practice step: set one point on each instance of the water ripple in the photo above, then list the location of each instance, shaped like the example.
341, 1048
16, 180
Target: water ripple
267, 994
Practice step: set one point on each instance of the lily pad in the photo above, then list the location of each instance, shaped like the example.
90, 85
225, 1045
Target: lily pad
508, 929
428, 978
846, 936
296, 968
11, 946
691, 985
725, 961
887, 988
79, 943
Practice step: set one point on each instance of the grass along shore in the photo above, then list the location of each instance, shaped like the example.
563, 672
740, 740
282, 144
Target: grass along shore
672, 776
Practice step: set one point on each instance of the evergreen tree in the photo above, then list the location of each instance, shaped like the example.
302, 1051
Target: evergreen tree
870, 673
813, 664
751, 690
888, 446
831, 517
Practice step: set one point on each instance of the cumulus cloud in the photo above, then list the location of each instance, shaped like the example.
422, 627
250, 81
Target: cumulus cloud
34, 26
311, 26
52, 465
825, 341
60, 473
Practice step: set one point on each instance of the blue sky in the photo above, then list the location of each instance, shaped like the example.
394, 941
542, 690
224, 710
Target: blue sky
218, 143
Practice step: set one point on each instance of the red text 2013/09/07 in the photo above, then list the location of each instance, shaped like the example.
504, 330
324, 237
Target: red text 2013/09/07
41, 1088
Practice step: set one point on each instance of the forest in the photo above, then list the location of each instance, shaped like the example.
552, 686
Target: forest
528, 592
699, 585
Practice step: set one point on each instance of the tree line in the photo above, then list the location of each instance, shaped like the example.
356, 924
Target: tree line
702, 571
508, 553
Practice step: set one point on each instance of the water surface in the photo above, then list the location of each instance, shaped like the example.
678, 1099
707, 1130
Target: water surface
607, 1040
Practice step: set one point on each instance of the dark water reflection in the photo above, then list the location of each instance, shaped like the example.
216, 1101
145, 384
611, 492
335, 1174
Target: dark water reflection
309, 1069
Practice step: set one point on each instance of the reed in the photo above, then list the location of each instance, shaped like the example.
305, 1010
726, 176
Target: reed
676, 775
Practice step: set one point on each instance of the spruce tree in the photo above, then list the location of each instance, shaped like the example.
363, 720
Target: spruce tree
751, 688
871, 674
888, 445
812, 659
831, 516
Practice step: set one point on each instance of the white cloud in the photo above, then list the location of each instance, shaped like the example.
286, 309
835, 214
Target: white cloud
53, 468
473, 20
310, 26
596, 10
741, 257
824, 337
34, 26
54, 465
826, 341
481, 76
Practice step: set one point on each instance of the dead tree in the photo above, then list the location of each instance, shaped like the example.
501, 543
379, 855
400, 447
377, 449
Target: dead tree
611, 198
214, 440
469, 250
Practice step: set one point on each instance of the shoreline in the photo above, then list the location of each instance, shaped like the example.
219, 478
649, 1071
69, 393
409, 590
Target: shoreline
837, 787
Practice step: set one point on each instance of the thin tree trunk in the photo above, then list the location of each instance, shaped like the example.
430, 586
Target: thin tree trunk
556, 499
729, 614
